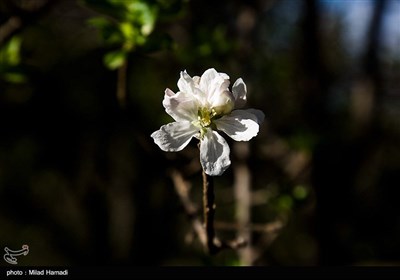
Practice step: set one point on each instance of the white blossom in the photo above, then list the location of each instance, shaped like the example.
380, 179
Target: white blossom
201, 108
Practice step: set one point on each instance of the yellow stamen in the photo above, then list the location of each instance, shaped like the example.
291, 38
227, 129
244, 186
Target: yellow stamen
204, 117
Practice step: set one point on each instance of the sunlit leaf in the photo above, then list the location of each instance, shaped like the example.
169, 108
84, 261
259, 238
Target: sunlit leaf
115, 59
10, 52
128, 30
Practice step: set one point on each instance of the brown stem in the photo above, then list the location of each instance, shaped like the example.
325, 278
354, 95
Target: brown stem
121, 85
206, 234
209, 213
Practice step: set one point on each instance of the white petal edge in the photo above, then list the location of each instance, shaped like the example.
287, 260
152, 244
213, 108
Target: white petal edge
239, 90
214, 153
175, 136
185, 83
224, 75
240, 125
180, 106
258, 113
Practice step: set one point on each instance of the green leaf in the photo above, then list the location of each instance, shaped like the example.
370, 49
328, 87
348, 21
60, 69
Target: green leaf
115, 59
142, 15
10, 52
128, 30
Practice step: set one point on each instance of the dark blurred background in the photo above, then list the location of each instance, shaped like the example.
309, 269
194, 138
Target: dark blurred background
81, 86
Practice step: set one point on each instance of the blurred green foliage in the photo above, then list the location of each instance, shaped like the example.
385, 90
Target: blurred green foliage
10, 57
128, 25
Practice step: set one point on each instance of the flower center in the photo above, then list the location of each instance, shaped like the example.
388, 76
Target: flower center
205, 116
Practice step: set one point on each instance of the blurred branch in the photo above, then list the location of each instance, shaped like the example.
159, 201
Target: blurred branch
205, 233
23, 13
9, 28
272, 231
367, 92
313, 67
121, 84
372, 65
272, 227
182, 190
243, 199
372, 46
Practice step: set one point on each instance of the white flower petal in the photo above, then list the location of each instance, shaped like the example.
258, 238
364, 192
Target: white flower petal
224, 75
207, 80
169, 93
196, 80
214, 153
181, 106
258, 113
190, 86
175, 136
185, 83
240, 125
239, 90
213, 83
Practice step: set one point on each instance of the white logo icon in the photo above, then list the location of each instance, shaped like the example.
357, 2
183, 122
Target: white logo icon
10, 255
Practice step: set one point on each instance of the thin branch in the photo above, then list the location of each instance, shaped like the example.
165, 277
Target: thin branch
214, 245
121, 84
268, 228
23, 14
209, 206
206, 234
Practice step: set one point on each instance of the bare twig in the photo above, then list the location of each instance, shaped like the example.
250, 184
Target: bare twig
209, 206
214, 245
206, 233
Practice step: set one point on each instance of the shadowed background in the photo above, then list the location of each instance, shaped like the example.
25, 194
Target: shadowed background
82, 183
